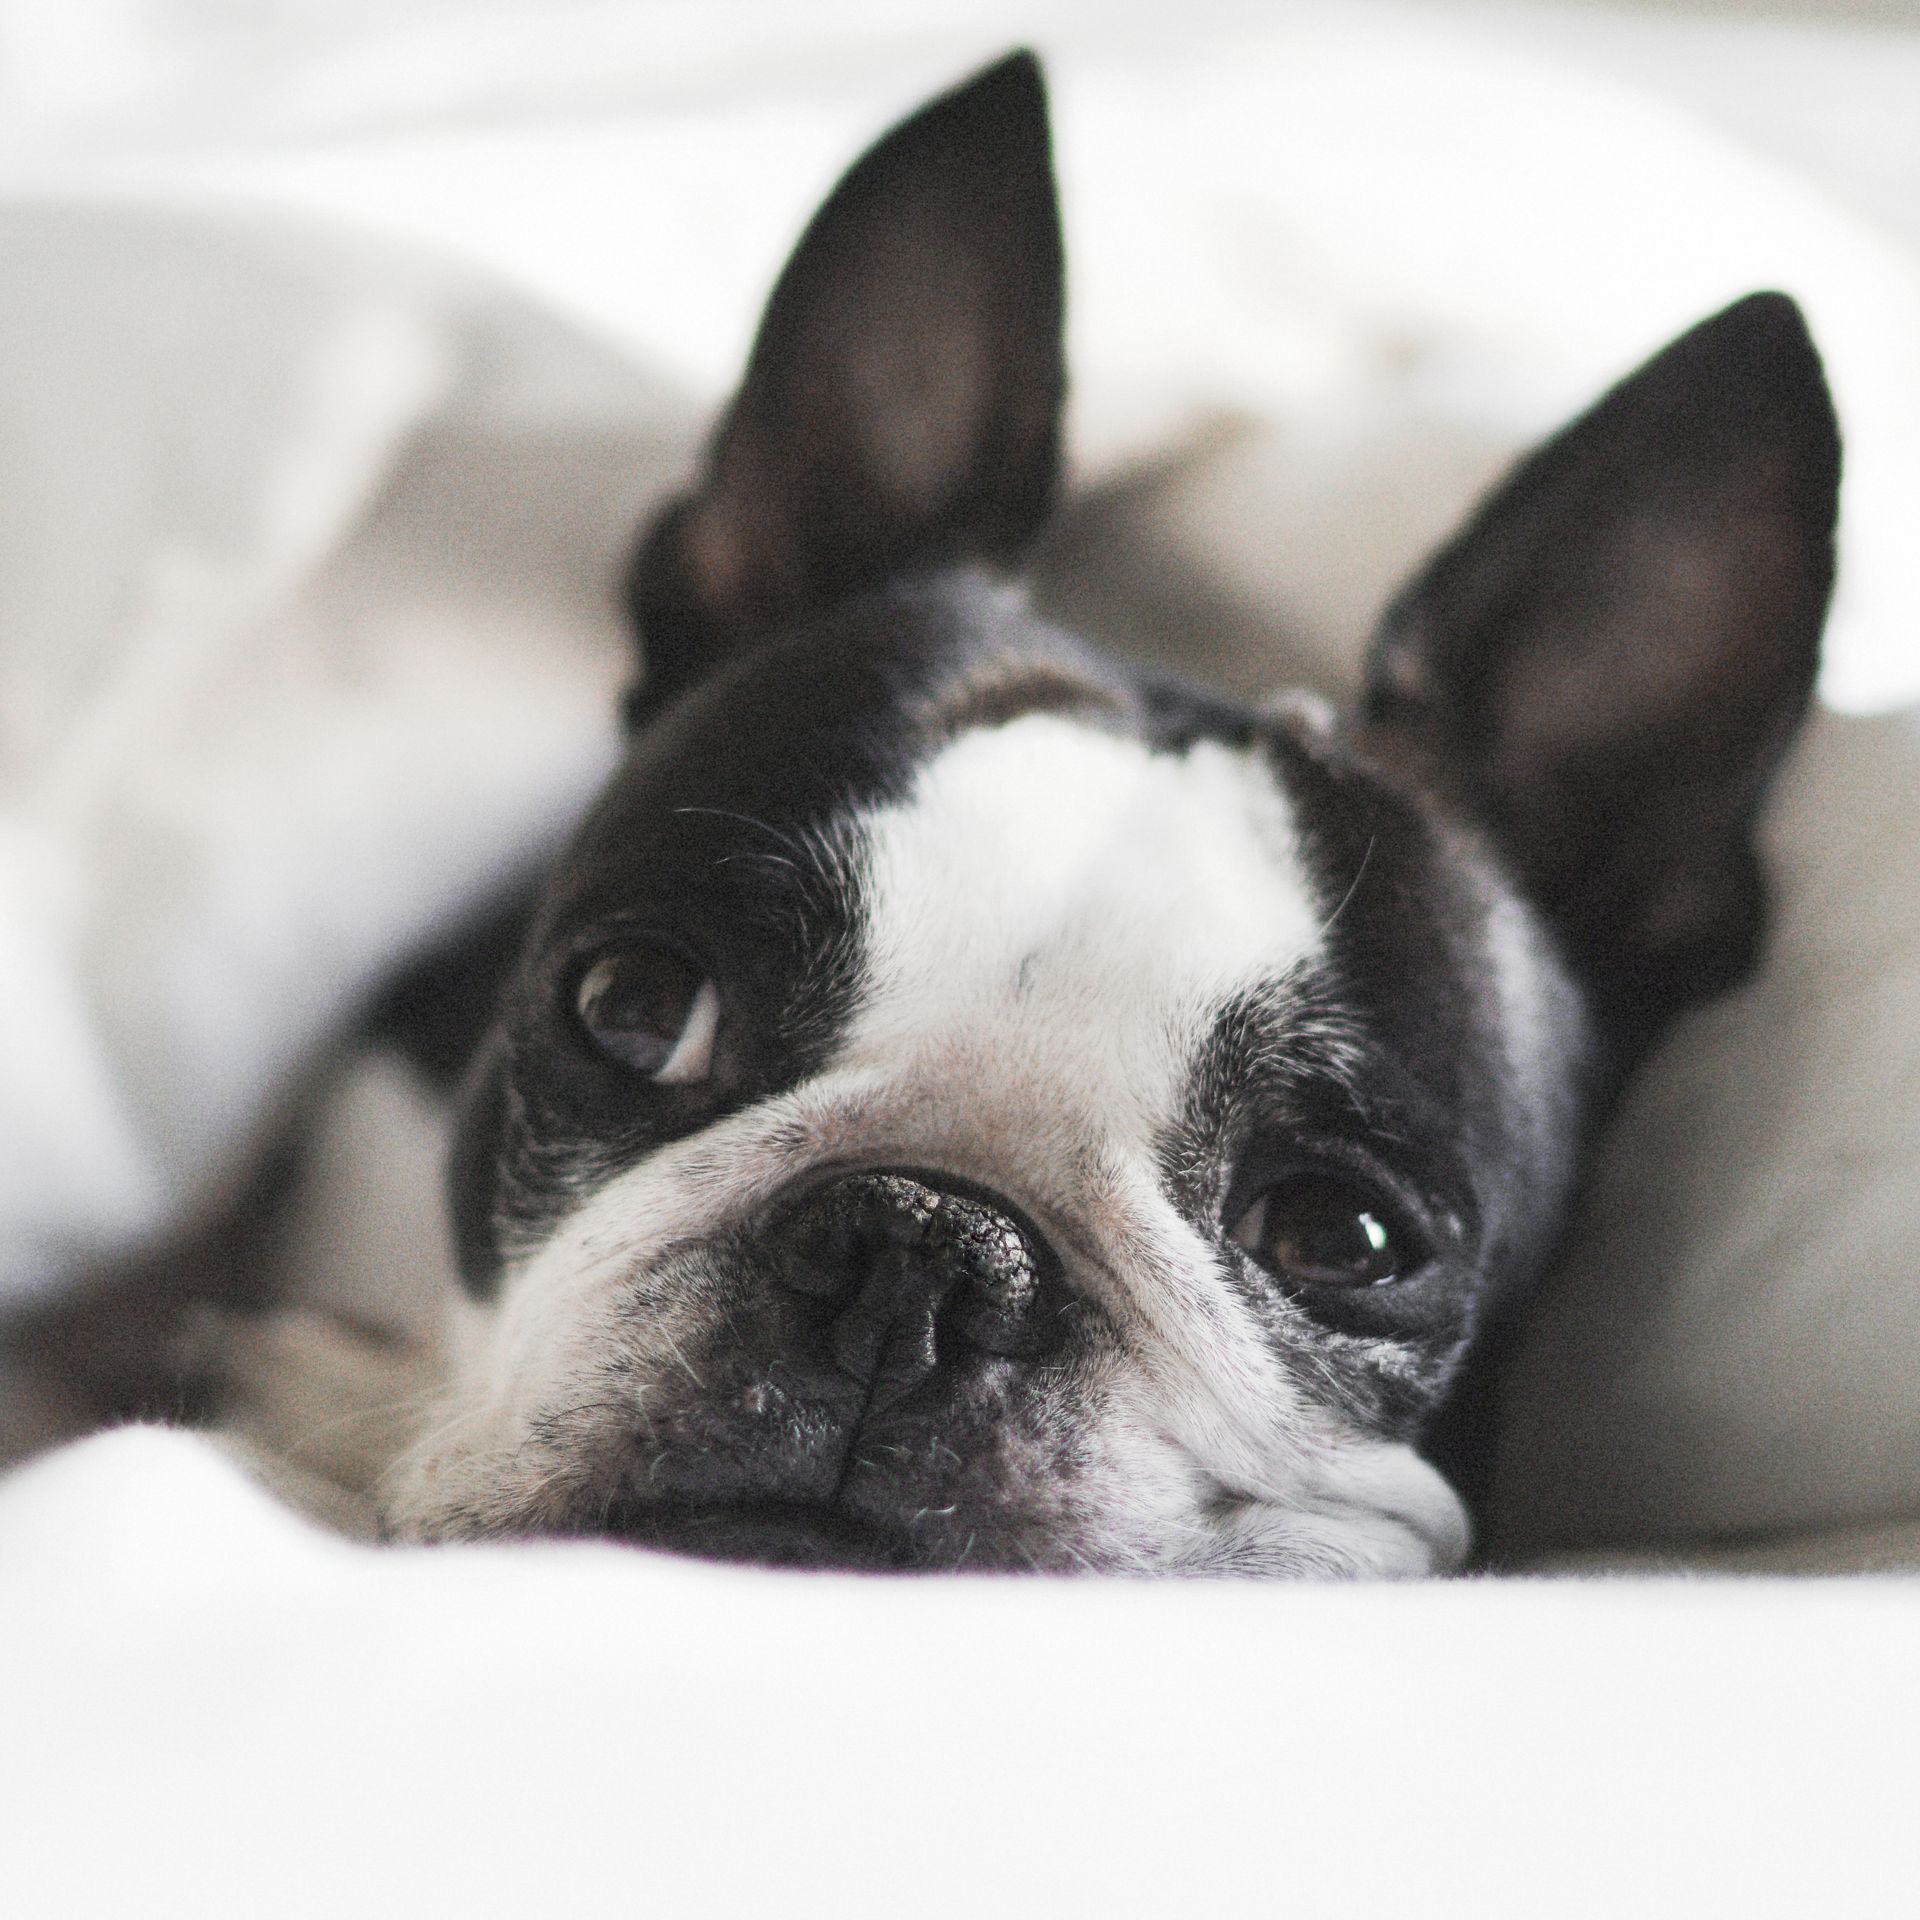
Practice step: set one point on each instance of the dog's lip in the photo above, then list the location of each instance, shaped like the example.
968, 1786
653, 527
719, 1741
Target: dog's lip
769, 1532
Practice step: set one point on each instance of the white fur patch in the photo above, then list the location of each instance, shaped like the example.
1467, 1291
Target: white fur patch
1063, 906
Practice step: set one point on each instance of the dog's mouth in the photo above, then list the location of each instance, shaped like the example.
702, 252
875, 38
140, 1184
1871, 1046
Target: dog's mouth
763, 1532
880, 1390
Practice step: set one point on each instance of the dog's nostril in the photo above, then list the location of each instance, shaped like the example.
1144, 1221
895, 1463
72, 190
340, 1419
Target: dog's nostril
916, 1267
829, 1248
819, 1258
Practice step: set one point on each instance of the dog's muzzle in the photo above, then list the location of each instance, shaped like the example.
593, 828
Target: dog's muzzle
908, 1276
854, 1406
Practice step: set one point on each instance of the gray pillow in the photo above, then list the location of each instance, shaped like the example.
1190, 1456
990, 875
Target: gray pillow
1732, 1345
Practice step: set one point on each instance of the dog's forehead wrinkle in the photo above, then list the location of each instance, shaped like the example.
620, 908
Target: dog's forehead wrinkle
1018, 665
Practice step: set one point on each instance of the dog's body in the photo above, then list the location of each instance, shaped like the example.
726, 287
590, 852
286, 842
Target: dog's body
965, 1102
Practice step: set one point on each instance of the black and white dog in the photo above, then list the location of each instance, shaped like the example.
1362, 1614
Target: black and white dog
965, 1102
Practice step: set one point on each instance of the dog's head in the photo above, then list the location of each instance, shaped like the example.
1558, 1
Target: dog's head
966, 1102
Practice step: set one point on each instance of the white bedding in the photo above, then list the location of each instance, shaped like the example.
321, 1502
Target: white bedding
579, 1730
305, 641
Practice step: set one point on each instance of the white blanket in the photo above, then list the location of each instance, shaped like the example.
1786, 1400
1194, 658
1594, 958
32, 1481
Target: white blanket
322, 1730
306, 641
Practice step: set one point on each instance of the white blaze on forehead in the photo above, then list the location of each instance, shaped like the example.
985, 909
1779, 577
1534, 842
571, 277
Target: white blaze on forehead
1067, 900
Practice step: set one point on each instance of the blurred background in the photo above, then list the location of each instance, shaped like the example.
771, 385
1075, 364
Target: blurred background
1826, 84
582, 149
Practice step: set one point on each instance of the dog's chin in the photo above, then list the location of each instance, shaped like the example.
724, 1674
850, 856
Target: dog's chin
767, 1533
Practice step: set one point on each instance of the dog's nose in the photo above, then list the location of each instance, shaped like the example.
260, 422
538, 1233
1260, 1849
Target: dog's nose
912, 1274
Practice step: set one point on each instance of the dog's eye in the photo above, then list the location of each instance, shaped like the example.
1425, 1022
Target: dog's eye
649, 1010
1321, 1230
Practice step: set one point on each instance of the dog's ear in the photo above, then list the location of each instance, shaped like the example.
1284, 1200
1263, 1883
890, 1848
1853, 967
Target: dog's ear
1610, 659
902, 403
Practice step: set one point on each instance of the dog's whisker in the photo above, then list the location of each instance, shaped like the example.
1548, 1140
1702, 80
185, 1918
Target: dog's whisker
1346, 899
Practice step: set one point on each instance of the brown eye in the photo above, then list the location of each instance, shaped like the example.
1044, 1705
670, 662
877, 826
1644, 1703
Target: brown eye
1323, 1231
652, 1012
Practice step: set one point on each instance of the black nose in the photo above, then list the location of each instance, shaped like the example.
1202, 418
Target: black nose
911, 1275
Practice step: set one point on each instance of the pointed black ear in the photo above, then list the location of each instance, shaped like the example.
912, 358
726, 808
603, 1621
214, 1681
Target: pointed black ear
902, 403
1608, 662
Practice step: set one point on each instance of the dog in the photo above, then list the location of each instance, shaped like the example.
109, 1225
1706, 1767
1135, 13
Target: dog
963, 1101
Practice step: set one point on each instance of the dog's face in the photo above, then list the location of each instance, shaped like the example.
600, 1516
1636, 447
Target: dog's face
968, 1103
